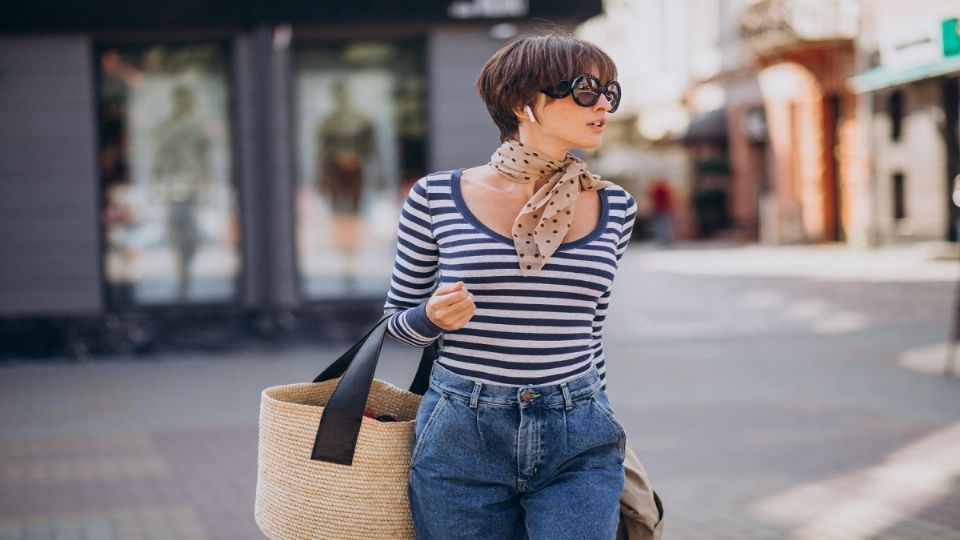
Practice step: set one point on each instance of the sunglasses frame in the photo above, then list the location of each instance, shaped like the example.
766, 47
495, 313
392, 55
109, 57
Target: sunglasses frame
565, 88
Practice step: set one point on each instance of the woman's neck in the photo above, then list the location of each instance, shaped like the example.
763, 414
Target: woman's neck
506, 185
551, 148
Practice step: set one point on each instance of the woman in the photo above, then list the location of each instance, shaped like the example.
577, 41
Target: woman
515, 437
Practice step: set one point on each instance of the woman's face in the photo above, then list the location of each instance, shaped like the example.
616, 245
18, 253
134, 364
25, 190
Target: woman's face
563, 125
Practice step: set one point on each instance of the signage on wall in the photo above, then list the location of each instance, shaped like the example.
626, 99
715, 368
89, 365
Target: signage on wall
488, 9
917, 46
951, 37
908, 49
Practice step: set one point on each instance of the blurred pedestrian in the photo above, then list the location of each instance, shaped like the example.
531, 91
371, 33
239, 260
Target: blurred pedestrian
181, 174
515, 436
661, 214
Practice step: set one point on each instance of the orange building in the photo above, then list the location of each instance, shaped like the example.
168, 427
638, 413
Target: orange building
814, 162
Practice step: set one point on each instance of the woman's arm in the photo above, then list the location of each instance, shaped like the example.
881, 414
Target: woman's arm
414, 272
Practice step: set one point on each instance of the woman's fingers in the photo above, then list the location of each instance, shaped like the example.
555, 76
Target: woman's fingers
460, 315
463, 306
450, 288
451, 306
456, 307
454, 298
450, 294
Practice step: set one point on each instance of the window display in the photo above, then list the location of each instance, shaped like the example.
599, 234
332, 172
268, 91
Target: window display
170, 211
360, 131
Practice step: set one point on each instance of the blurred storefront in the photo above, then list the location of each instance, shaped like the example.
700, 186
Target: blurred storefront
841, 120
804, 53
706, 139
909, 86
705, 102
244, 161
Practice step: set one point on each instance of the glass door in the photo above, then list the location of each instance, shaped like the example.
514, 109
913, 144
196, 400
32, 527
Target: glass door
360, 127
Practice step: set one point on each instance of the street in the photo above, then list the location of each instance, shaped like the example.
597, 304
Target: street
771, 392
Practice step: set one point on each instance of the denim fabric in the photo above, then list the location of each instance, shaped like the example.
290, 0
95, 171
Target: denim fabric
488, 464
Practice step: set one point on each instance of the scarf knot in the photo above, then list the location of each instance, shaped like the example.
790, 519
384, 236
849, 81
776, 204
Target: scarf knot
546, 218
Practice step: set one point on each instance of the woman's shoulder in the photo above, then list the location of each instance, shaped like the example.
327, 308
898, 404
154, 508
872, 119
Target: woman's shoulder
619, 196
441, 175
436, 180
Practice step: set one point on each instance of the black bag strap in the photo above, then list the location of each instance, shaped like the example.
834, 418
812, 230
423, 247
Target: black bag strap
339, 427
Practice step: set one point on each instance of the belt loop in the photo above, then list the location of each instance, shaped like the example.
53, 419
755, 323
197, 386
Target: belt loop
476, 394
567, 402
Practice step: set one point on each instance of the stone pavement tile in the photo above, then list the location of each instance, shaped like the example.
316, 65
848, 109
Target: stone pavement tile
216, 473
169, 522
726, 507
946, 511
932, 359
828, 262
46, 471
713, 506
650, 307
67, 474
81, 495
798, 440
73, 446
718, 467
919, 530
11, 530
162, 485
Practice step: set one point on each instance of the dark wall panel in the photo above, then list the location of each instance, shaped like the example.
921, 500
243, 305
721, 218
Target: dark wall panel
49, 238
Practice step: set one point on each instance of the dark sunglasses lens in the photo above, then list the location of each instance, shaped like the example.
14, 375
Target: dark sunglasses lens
586, 91
613, 95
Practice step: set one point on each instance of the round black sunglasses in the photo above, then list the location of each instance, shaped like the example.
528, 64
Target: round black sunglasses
586, 90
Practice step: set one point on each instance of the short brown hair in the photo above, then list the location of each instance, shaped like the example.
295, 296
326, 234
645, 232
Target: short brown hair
512, 77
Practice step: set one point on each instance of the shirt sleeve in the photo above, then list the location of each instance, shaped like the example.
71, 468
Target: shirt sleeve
603, 304
414, 272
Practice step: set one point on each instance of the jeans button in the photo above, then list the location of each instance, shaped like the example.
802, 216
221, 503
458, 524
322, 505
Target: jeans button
526, 396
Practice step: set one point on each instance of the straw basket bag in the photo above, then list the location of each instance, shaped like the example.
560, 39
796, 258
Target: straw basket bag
326, 471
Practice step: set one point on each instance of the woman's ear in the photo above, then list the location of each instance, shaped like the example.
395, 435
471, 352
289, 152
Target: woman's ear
525, 113
528, 112
530, 115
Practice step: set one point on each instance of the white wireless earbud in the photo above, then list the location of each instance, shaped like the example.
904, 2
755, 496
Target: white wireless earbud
530, 114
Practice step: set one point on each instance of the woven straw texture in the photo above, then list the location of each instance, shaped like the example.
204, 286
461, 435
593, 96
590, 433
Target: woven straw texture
299, 498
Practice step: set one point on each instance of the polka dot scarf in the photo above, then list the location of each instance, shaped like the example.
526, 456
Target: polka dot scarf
546, 218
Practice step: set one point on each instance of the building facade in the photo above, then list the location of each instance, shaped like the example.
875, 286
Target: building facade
846, 126
803, 54
909, 88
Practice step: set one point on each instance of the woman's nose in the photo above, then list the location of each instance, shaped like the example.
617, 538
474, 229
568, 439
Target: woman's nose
604, 103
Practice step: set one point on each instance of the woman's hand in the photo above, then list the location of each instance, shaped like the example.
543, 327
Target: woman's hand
451, 307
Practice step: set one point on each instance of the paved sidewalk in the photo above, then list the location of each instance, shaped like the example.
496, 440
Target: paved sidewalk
772, 393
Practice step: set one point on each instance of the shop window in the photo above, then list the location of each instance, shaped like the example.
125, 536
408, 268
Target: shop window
360, 131
895, 109
165, 156
899, 197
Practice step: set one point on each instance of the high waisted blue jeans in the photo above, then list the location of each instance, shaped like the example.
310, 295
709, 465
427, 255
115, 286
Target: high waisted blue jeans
498, 462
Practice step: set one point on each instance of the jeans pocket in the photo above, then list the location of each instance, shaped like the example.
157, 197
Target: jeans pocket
430, 407
602, 404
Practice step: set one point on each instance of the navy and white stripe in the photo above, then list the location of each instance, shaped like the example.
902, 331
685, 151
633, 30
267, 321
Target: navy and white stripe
543, 329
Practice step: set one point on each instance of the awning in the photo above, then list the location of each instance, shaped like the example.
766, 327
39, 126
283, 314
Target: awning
708, 127
881, 77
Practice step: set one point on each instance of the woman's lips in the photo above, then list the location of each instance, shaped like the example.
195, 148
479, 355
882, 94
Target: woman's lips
597, 125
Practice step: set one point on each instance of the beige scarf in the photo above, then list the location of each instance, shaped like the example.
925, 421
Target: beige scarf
546, 218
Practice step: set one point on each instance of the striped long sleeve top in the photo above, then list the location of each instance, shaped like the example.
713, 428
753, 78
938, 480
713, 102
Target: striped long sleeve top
543, 329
